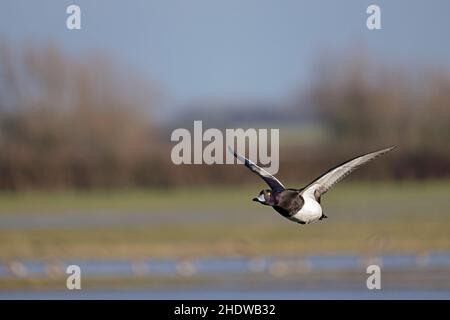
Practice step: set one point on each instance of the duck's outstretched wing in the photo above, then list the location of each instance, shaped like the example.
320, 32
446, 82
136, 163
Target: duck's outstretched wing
273, 182
323, 183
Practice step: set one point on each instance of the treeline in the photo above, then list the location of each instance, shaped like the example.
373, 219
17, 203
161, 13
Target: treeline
73, 123
85, 123
364, 104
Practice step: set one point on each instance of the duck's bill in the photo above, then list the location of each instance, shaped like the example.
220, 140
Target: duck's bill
260, 198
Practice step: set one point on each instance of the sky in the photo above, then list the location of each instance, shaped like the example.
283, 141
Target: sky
233, 49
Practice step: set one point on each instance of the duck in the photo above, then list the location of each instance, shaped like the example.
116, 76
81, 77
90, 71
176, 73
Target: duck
304, 205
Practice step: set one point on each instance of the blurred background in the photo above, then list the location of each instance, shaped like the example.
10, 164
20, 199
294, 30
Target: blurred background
86, 176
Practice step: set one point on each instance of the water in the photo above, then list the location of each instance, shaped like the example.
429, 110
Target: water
232, 265
404, 276
68, 220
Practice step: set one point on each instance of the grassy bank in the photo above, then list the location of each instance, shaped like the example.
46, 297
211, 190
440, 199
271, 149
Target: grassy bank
223, 221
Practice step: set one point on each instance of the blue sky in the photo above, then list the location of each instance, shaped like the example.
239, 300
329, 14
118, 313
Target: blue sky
235, 49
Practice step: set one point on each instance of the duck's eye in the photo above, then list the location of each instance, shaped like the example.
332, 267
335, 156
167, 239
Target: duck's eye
268, 193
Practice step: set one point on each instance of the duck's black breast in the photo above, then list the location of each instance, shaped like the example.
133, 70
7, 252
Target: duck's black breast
289, 202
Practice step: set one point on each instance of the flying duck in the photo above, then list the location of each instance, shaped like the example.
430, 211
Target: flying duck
303, 205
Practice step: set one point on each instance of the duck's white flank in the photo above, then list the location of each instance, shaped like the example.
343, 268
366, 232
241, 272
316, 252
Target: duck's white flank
310, 212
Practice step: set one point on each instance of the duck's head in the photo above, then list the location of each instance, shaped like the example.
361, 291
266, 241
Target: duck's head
265, 197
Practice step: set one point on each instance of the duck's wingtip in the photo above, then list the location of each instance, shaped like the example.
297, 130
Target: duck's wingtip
391, 148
